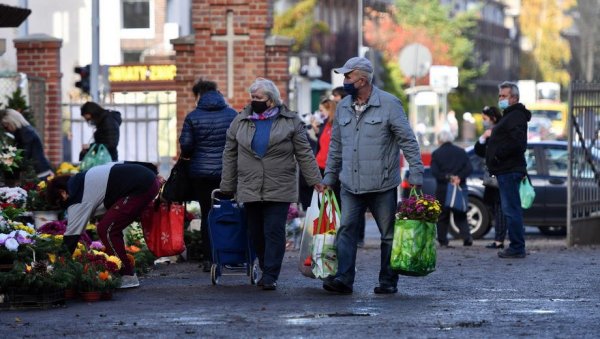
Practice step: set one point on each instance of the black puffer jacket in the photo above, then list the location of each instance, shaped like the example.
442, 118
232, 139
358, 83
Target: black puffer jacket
506, 146
203, 135
107, 130
27, 139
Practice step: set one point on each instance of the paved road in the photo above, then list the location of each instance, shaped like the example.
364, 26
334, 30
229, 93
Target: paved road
554, 292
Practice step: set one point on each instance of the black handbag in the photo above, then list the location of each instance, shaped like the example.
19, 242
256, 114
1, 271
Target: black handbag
178, 187
489, 180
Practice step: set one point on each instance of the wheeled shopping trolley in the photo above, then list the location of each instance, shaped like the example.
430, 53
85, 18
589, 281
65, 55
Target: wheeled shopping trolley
231, 247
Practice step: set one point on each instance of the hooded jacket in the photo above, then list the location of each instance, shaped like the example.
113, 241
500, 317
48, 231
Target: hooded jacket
272, 177
107, 130
203, 135
506, 146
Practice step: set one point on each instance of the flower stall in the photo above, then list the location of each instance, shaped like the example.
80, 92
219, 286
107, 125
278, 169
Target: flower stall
36, 270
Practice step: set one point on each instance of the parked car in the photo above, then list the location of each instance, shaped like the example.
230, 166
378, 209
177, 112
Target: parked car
547, 163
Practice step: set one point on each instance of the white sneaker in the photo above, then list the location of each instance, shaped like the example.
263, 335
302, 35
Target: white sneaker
129, 281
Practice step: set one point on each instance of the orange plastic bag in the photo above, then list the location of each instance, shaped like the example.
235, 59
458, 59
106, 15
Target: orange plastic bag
163, 228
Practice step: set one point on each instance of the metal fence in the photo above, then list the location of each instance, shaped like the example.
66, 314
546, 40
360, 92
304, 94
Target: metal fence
583, 193
148, 131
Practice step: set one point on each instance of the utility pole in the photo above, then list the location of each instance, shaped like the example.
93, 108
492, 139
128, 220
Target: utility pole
95, 50
360, 27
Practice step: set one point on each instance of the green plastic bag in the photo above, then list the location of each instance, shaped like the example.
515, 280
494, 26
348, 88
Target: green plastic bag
526, 192
413, 248
97, 155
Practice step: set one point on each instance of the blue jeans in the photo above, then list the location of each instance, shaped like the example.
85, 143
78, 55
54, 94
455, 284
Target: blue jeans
511, 207
383, 207
266, 224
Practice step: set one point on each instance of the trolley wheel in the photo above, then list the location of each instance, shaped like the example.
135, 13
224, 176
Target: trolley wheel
214, 274
253, 274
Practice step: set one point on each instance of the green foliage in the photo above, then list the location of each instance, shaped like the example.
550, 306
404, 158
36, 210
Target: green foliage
193, 244
393, 81
17, 102
298, 23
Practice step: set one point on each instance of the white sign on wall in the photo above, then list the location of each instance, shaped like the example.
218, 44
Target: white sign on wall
443, 78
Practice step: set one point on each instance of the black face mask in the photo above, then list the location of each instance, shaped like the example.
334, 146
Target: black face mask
259, 106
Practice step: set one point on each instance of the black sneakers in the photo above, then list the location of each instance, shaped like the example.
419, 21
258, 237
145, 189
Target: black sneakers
508, 254
334, 285
385, 289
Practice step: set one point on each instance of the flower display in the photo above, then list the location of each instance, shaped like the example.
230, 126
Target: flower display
36, 197
15, 238
12, 197
423, 207
97, 270
10, 157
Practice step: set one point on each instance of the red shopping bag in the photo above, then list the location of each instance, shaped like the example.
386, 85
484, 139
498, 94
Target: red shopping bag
163, 228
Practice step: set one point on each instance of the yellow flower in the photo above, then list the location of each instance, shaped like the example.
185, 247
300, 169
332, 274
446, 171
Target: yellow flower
115, 260
41, 185
76, 253
52, 257
27, 229
90, 227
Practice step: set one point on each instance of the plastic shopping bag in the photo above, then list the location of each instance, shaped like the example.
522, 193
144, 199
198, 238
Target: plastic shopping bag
163, 228
324, 252
413, 247
312, 216
456, 198
97, 155
526, 192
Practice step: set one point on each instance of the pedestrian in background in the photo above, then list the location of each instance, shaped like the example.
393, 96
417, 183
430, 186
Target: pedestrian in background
202, 142
450, 164
106, 123
265, 144
505, 158
27, 139
119, 191
369, 130
327, 106
491, 194
337, 94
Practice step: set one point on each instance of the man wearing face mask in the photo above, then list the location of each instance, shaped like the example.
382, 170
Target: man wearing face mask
505, 158
265, 144
369, 130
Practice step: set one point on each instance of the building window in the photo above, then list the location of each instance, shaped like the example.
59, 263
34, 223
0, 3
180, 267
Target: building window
136, 14
137, 19
132, 57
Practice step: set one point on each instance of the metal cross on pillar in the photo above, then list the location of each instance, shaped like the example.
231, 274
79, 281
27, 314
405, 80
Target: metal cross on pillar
230, 38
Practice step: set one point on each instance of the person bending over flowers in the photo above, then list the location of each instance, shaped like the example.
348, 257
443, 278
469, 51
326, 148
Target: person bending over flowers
120, 191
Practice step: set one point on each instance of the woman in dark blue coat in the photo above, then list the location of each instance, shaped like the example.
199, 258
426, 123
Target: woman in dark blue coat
202, 141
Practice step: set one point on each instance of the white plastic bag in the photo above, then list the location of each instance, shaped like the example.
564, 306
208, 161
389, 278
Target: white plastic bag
312, 216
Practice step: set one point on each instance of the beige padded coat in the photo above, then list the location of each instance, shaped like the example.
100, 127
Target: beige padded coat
273, 177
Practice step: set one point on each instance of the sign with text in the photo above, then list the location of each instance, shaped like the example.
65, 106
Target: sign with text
133, 73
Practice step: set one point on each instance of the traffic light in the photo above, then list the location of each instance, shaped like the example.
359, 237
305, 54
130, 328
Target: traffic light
84, 83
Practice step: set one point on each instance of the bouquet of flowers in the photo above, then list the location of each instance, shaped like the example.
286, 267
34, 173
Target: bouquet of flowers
413, 247
10, 157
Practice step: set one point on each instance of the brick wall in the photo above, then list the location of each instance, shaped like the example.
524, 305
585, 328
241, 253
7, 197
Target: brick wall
39, 55
258, 56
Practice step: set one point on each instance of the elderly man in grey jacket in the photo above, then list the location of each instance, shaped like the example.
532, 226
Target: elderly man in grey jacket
369, 130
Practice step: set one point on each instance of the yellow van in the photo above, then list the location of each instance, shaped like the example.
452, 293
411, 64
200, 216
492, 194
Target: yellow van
556, 112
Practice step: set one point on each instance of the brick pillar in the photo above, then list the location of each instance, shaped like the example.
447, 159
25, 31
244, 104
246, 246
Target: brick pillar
185, 78
278, 62
39, 55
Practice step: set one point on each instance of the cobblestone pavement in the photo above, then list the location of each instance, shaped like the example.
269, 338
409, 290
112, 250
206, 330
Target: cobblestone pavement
554, 292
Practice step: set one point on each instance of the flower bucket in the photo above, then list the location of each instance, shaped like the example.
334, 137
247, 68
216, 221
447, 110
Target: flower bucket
90, 296
41, 218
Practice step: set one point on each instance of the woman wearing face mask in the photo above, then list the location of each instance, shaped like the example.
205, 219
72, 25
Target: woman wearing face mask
107, 124
491, 116
265, 143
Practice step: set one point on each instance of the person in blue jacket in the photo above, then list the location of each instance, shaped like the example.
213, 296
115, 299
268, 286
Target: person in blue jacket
202, 142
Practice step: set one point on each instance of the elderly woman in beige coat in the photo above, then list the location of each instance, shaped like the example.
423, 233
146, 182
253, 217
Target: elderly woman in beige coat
265, 143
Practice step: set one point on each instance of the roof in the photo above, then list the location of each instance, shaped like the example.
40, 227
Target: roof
12, 16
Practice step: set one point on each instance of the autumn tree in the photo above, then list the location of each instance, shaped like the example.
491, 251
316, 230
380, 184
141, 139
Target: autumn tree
298, 23
548, 53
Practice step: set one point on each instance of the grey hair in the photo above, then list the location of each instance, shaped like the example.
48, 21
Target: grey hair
268, 88
13, 118
445, 136
514, 89
366, 75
